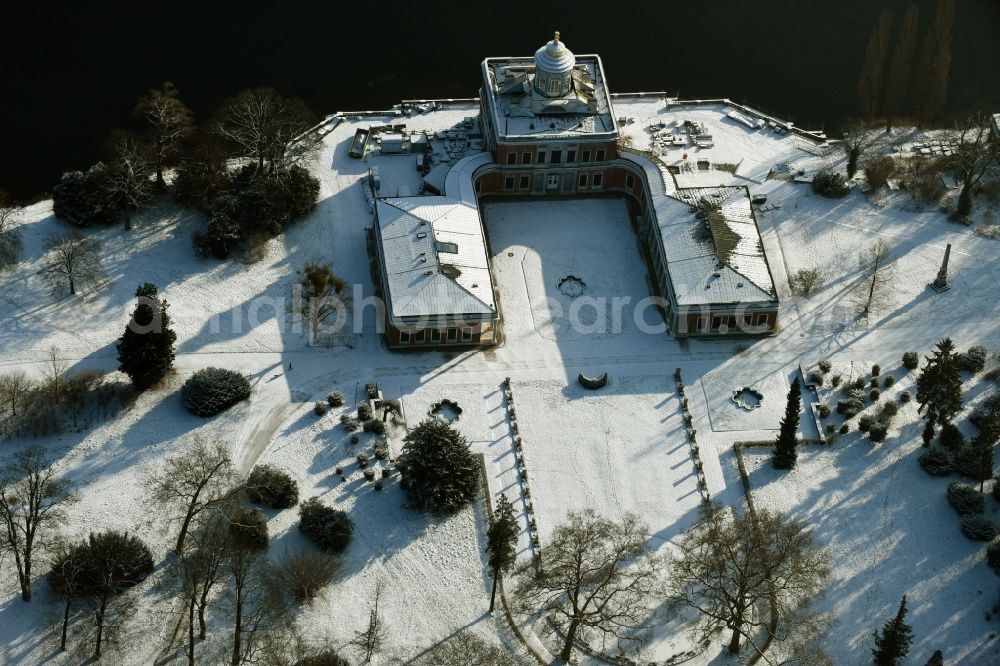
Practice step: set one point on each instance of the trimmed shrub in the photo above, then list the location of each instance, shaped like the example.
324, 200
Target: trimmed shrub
951, 437
993, 556
319, 409
212, 390
888, 381
824, 410
362, 459
381, 449
350, 424
371, 390
830, 428
967, 461
248, 529
936, 462
844, 429
835, 380
974, 360
328, 528
911, 361
876, 370
878, 432
830, 185
849, 408
354, 438
965, 499
369, 475
338, 469
375, 425
978, 528
860, 382
888, 411
875, 394
272, 487
815, 377
386, 472
905, 397
825, 366
378, 485
335, 399
865, 423
364, 412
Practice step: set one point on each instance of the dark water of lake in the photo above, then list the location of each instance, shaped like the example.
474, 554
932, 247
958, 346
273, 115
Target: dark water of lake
70, 74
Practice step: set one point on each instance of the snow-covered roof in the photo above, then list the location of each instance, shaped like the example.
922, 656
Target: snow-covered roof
520, 112
434, 251
714, 257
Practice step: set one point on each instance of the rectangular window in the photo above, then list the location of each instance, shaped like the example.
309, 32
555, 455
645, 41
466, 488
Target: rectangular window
629, 181
582, 181
452, 334
508, 183
541, 157
571, 156
466, 334
763, 319
523, 184
421, 334
586, 156
598, 180
747, 320
525, 158
716, 322
435, 335
404, 336
600, 155
556, 156
702, 326
511, 158
731, 322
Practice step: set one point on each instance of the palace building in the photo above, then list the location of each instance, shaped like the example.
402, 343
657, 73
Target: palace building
549, 129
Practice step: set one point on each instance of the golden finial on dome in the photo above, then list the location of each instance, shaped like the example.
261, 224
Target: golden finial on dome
557, 36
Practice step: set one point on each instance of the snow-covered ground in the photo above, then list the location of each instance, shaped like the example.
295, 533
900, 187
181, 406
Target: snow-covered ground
622, 448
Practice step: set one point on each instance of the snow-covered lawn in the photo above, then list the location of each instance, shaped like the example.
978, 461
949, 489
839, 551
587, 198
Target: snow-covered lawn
890, 531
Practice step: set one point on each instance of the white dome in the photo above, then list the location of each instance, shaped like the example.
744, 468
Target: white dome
554, 58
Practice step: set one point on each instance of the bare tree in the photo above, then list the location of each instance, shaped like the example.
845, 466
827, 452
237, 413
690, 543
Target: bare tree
53, 369
877, 277
319, 297
748, 573
10, 240
129, 175
859, 138
873, 66
255, 603
596, 576
369, 642
805, 281
74, 260
169, 120
466, 649
931, 82
14, 389
260, 123
195, 574
976, 154
198, 477
32, 502
66, 577
901, 65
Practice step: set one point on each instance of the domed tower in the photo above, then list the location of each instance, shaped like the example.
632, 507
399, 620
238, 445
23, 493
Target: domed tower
554, 68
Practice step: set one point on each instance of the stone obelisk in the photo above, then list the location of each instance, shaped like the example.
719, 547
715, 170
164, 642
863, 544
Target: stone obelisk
940, 283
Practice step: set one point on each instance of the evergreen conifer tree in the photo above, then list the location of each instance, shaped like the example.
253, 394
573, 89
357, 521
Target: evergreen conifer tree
783, 456
439, 471
146, 349
937, 659
894, 642
501, 542
939, 386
